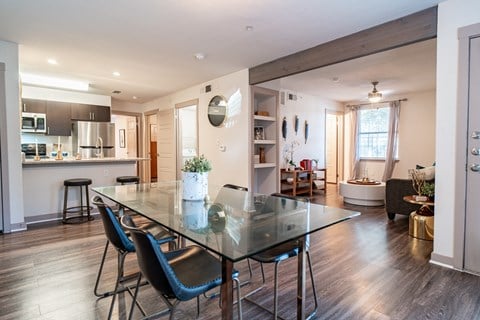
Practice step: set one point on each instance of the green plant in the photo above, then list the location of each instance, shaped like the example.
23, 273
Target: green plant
428, 189
197, 164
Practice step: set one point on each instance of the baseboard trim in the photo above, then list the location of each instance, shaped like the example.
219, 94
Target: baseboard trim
15, 227
49, 217
441, 260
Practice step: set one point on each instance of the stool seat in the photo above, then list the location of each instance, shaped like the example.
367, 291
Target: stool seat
128, 179
77, 182
78, 211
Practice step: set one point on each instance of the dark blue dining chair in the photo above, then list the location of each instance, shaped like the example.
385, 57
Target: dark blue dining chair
123, 245
178, 275
281, 253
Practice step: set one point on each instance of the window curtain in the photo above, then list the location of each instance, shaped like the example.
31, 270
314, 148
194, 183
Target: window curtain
392, 141
355, 156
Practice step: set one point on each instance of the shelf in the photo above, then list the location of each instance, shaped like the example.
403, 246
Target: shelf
264, 118
302, 182
264, 142
264, 165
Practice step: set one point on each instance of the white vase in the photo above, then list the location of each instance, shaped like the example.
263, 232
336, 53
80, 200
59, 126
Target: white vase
195, 185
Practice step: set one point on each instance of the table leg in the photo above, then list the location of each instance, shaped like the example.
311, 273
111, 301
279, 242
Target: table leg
301, 280
227, 289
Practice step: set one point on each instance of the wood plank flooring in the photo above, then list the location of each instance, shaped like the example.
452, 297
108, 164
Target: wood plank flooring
365, 268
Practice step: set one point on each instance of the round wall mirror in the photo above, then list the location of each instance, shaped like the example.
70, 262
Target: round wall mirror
217, 110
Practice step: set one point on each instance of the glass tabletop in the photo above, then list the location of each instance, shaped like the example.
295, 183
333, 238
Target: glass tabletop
234, 224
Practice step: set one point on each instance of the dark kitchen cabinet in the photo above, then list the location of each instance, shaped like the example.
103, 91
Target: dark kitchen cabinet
34, 106
58, 118
90, 112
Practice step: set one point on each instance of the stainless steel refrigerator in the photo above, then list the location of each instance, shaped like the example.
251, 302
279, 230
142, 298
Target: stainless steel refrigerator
94, 139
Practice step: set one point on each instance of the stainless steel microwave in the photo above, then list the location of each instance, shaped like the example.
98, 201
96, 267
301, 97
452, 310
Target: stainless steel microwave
34, 122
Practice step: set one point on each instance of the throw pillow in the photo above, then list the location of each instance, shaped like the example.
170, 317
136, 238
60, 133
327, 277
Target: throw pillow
429, 172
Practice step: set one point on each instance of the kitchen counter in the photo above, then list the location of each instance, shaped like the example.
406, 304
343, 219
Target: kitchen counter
43, 182
70, 161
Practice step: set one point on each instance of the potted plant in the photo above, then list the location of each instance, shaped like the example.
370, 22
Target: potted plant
195, 178
428, 189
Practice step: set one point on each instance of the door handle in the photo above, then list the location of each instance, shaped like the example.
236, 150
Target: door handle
475, 151
475, 167
475, 135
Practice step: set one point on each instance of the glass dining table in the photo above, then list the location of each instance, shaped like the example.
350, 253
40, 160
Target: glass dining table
231, 223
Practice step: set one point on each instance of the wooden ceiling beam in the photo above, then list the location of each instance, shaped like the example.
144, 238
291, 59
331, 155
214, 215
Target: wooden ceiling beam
413, 28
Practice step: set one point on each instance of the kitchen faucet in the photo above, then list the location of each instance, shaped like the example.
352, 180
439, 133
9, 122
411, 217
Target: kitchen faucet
100, 155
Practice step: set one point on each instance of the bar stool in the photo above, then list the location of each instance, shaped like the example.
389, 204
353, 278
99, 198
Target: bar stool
128, 179
80, 217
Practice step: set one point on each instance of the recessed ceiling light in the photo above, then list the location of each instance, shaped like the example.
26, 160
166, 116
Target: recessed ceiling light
248, 28
134, 97
336, 79
52, 61
116, 73
199, 56
116, 91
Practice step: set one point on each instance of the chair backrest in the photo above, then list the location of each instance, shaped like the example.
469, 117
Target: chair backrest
113, 230
297, 198
151, 260
233, 186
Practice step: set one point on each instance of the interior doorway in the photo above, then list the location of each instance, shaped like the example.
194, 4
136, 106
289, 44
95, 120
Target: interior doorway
334, 146
186, 133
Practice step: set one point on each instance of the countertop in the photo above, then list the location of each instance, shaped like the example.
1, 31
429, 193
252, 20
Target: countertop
71, 161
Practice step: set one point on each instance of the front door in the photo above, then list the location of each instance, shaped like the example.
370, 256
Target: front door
472, 217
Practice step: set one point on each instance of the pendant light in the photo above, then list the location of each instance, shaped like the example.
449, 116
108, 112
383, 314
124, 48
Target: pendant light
374, 96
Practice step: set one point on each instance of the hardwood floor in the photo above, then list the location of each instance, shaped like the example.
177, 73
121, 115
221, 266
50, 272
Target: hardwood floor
365, 268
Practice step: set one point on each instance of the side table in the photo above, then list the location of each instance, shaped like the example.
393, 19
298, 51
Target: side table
421, 221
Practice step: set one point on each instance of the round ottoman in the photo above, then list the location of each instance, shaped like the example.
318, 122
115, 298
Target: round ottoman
363, 194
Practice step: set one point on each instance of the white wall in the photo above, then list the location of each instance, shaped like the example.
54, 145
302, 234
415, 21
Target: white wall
120, 123
450, 132
416, 137
231, 166
12, 177
307, 108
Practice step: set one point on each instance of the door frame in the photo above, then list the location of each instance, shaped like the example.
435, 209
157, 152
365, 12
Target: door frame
140, 148
340, 142
464, 36
178, 106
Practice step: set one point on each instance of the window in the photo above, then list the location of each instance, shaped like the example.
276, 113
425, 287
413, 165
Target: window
373, 133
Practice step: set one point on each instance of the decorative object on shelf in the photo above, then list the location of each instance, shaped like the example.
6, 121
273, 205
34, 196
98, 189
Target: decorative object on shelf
316, 164
288, 151
284, 128
262, 113
374, 96
217, 110
306, 131
259, 133
195, 178
296, 124
262, 154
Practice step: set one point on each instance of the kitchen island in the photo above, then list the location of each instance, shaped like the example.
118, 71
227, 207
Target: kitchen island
43, 182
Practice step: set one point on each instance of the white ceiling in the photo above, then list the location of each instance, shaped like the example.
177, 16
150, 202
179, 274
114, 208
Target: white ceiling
152, 43
399, 71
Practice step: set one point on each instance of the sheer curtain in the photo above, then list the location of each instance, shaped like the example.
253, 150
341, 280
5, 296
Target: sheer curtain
355, 156
392, 141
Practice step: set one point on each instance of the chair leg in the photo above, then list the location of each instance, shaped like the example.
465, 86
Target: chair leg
275, 292
121, 260
137, 287
95, 290
314, 312
239, 299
